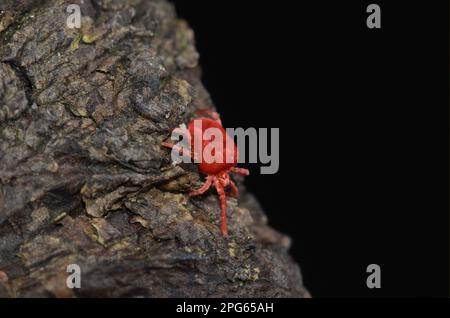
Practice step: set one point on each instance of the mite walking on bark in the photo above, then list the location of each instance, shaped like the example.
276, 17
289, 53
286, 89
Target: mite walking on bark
224, 153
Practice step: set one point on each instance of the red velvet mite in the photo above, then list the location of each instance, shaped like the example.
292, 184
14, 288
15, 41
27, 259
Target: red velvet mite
217, 172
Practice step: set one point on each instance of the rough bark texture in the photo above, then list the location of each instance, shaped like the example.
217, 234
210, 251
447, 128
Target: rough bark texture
83, 178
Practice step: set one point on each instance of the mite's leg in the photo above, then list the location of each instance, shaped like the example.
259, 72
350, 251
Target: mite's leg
184, 151
181, 150
234, 189
241, 171
203, 188
223, 207
212, 114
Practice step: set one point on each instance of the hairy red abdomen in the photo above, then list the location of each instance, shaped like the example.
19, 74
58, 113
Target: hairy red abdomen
224, 149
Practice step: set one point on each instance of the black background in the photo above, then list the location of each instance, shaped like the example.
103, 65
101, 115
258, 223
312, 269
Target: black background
363, 118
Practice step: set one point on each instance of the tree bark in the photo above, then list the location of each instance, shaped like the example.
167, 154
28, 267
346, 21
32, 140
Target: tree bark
84, 180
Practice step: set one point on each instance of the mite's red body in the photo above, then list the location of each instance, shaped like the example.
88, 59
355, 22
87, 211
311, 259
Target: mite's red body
217, 171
